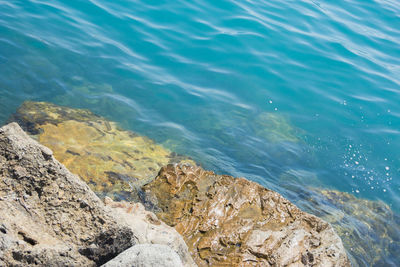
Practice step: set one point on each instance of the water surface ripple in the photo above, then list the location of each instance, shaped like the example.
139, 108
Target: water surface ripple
299, 96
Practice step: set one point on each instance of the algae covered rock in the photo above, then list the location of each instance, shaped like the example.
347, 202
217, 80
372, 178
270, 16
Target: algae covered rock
234, 222
112, 161
275, 128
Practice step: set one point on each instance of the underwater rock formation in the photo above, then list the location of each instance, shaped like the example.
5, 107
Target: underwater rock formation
275, 128
369, 229
50, 217
112, 161
232, 221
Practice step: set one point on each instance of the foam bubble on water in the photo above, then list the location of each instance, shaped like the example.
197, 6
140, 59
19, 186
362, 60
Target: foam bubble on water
370, 178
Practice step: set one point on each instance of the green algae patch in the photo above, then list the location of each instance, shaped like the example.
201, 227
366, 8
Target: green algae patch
274, 128
112, 161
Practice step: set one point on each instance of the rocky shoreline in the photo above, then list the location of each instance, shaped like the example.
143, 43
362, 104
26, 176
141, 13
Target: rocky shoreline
50, 217
199, 218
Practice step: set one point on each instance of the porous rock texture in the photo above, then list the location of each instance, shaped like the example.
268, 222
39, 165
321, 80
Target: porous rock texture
49, 217
146, 255
228, 221
147, 228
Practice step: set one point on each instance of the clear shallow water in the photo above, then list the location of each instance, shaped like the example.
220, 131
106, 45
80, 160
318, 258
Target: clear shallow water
259, 89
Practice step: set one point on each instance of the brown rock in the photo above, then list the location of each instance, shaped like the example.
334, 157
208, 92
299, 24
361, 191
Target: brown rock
231, 222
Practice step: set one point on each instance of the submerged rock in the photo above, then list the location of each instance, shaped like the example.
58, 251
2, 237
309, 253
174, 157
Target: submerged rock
369, 229
112, 161
230, 222
274, 128
49, 217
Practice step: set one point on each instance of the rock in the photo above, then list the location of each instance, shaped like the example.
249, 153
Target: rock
370, 230
275, 128
232, 222
146, 255
147, 228
49, 217
112, 161
118, 163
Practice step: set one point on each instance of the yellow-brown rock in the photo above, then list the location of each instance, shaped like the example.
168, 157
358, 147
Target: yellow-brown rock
228, 221
112, 161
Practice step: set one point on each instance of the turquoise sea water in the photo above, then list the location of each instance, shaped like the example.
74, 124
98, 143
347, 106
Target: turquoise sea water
295, 95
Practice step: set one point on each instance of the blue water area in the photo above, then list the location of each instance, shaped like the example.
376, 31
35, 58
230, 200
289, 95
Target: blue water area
295, 95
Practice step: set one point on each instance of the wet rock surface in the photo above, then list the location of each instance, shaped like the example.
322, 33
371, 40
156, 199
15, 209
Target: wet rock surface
114, 162
231, 222
50, 217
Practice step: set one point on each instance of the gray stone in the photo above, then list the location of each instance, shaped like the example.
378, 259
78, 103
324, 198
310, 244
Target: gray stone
146, 255
50, 217
147, 228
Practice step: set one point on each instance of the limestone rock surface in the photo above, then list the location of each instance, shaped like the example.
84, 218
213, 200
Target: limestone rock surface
146, 255
147, 228
114, 162
228, 221
50, 217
